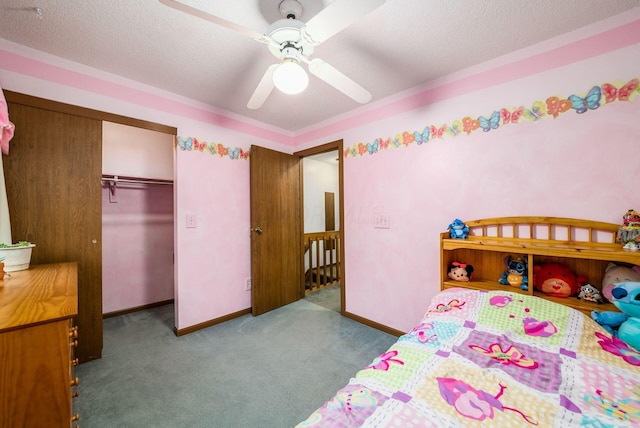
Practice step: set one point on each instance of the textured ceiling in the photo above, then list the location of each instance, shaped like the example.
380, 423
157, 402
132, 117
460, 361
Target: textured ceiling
401, 45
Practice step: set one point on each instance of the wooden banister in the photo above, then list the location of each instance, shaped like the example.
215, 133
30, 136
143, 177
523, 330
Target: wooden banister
322, 254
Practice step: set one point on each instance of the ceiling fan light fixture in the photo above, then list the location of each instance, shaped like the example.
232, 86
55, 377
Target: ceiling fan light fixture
290, 77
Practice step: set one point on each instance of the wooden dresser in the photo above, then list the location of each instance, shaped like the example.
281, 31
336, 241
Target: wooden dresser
37, 340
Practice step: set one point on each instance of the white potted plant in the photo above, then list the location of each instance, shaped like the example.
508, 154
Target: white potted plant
16, 256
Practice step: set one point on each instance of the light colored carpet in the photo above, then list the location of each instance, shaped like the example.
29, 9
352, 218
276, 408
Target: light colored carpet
273, 370
328, 297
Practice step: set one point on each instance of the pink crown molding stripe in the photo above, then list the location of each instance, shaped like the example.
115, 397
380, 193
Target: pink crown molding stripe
41, 70
598, 44
604, 42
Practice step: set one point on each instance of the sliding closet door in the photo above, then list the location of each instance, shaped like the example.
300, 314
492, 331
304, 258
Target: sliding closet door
53, 173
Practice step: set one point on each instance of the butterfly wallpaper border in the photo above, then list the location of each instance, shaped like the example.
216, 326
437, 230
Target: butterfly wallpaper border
553, 106
193, 144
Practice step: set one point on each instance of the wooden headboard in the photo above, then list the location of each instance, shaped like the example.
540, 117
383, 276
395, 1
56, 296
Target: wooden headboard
586, 246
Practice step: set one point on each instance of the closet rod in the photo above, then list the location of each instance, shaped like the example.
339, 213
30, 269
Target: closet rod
121, 179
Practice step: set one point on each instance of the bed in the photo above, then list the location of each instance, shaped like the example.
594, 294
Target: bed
493, 358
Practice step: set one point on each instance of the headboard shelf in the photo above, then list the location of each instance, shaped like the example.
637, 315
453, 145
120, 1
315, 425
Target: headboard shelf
598, 251
586, 246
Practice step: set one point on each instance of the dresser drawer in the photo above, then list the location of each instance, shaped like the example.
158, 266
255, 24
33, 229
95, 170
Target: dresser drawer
38, 393
37, 341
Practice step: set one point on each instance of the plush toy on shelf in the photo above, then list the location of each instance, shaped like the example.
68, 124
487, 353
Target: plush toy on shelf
626, 324
458, 229
615, 274
629, 232
556, 279
516, 273
589, 293
460, 271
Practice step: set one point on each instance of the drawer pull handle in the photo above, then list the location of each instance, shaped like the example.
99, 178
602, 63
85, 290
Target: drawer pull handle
75, 381
75, 418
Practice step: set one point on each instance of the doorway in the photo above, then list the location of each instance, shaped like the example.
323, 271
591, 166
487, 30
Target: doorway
322, 206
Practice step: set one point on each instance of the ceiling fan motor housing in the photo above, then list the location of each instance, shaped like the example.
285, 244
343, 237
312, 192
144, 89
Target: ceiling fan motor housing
286, 33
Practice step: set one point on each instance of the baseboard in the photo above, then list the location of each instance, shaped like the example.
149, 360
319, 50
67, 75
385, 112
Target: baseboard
193, 328
373, 324
136, 309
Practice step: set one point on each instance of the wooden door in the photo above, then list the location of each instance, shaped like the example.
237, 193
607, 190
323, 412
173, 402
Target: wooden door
276, 243
329, 211
53, 173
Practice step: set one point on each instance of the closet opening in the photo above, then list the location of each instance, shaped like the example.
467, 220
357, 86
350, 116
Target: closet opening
137, 219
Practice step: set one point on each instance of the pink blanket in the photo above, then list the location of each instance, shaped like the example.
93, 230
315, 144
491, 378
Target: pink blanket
5, 125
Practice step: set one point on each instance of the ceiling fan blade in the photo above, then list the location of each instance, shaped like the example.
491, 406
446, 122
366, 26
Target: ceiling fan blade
263, 89
174, 4
335, 78
336, 17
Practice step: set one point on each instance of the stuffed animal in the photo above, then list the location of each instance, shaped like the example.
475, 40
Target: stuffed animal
460, 271
629, 233
516, 273
626, 297
458, 229
589, 293
615, 274
557, 279
631, 218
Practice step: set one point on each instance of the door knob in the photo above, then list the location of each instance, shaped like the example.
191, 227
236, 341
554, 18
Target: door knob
258, 230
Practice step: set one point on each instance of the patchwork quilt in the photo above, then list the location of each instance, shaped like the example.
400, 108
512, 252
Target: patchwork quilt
494, 359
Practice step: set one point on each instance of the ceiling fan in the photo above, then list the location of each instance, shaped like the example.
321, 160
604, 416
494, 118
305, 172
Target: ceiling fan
292, 41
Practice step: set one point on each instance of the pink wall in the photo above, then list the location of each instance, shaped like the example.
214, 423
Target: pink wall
575, 165
571, 167
215, 256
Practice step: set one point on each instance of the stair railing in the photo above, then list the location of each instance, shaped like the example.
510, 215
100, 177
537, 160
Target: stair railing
322, 259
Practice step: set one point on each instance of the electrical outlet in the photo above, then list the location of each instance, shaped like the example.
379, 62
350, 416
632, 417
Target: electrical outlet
247, 284
382, 221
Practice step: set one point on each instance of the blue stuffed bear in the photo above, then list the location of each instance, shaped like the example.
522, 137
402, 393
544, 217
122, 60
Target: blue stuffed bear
626, 297
458, 229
